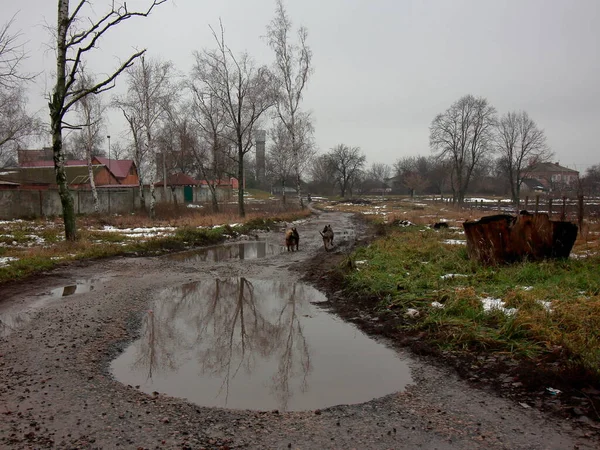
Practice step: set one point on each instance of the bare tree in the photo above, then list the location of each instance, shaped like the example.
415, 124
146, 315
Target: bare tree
378, 174
16, 124
321, 174
73, 44
212, 155
139, 149
150, 96
346, 162
245, 92
280, 163
292, 71
90, 112
463, 134
521, 144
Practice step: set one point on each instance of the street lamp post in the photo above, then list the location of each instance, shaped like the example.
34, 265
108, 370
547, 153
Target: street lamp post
109, 174
108, 137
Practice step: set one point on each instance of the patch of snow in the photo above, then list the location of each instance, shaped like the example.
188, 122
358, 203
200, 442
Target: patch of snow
547, 305
437, 305
495, 304
6, 259
411, 312
449, 276
192, 205
454, 242
362, 261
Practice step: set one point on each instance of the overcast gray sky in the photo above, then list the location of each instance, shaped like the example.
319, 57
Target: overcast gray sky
383, 68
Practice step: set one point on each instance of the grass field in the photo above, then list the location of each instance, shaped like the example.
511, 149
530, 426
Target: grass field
526, 309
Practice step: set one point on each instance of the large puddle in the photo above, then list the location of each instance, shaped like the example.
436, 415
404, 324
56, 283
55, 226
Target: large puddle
256, 344
241, 250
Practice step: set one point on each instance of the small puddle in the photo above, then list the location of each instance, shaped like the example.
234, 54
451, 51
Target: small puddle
14, 315
256, 344
241, 250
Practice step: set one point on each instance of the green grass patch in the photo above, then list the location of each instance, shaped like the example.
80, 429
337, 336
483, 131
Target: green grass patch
410, 268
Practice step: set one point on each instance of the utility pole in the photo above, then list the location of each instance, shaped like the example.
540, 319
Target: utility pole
109, 172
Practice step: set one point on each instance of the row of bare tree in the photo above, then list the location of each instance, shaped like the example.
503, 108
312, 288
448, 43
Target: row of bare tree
204, 123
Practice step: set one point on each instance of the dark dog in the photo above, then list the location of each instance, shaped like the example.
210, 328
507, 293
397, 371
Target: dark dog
327, 236
292, 238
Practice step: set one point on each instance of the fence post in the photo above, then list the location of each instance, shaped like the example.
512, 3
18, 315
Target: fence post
550, 207
78, 202
108, 192
537, 203
498, 205
526, 201
563, 213
580, 214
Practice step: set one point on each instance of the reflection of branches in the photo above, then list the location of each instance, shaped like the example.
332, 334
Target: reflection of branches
294, 338
229, 325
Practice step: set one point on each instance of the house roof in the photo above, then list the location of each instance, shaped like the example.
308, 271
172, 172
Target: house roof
179, 179
533, 184
550, 167
46, 175
119, 167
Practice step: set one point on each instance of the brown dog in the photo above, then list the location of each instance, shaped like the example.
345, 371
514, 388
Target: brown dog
327, 236
292, 238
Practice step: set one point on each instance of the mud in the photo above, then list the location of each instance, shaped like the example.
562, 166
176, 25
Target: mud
57, 391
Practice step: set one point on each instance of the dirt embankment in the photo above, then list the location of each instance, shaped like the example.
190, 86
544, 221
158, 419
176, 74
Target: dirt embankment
56, 390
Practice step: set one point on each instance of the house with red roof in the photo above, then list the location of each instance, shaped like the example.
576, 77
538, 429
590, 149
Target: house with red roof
34, 173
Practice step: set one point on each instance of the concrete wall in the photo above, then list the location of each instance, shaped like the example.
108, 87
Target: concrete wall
26, 203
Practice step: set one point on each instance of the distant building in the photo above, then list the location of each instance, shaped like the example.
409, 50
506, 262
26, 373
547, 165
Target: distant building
35, 171
552, 176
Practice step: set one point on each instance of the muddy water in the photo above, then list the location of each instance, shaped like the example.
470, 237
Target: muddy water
242, 250
256, 344
15, 315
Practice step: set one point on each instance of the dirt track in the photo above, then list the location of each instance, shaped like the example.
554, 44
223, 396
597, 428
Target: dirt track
56, 390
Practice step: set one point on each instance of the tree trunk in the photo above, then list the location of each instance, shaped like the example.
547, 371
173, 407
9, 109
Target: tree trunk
283, 199
215, 200
93, 183
56, 116
242, 211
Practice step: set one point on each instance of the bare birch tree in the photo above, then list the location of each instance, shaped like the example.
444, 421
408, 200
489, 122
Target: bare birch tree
244, 91
346, 163
90, 110
463, 134
292, 70
150, 94
16, 124
520, 144
73, 44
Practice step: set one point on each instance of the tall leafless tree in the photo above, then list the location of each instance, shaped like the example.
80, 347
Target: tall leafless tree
378, 175
292, 70
245, 92
150, 96
90, 110
138, 148
212, 154
73, 44
16, 124
520, 144
463, 134
346, 163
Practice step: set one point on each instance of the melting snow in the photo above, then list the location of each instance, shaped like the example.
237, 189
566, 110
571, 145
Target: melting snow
491, 304
454, 242
453, 275
6, 259
437, 305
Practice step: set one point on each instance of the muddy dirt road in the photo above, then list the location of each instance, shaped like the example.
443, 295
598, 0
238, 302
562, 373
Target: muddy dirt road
58, 390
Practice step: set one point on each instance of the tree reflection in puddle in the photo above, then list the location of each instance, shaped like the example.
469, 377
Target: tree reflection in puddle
256, 344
